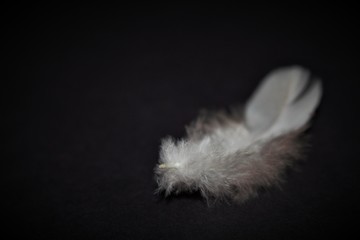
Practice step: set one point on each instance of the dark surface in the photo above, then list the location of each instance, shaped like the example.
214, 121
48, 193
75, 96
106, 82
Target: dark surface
91, 92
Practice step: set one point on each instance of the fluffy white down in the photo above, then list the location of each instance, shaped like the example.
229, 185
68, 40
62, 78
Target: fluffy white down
222, 157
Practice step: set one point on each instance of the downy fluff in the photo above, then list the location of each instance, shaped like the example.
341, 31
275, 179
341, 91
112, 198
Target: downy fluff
232, 156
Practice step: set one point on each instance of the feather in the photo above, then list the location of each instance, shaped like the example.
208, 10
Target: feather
227, 156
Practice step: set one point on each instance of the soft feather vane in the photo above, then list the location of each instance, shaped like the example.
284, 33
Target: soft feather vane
224, 156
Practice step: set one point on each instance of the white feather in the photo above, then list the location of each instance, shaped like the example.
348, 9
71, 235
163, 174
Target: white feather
225, 157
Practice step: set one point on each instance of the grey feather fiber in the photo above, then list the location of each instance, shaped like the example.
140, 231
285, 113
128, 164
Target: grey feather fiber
232, 156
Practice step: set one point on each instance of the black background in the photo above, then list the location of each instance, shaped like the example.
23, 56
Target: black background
90, 92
